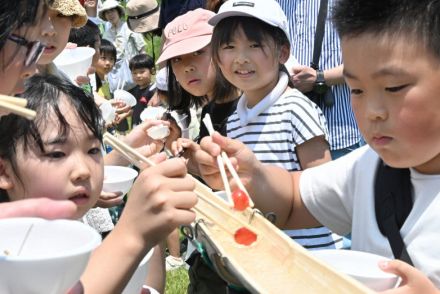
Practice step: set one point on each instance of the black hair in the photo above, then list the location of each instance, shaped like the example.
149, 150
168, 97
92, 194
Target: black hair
107, 49
15, 14
255, 30
416, 19
43, 95
85, 36
179, 99
142, 61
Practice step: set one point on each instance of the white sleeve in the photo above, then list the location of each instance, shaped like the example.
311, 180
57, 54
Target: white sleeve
328, 191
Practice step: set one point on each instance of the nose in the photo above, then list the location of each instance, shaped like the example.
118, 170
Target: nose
375, 108
47, 29
80, 169
189, 67
241, 57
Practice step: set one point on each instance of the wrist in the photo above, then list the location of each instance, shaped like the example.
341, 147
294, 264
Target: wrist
320, 86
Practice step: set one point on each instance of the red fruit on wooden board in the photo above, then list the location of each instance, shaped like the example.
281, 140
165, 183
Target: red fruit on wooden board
245, 236
241, 200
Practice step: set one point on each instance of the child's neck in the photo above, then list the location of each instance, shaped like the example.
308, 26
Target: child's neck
253, 97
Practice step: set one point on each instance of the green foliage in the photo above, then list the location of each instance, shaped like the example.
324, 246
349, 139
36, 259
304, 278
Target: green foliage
177, 281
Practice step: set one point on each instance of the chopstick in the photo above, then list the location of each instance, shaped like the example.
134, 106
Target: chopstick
136, 158
15, 105
224, 159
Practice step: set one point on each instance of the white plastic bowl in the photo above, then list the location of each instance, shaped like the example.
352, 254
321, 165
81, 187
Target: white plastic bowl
138, 279
158, 132
152, 112
125, 96
75, 62
108, 112
361, 266
52, 258
118, 178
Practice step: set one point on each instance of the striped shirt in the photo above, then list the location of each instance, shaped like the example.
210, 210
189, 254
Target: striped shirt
273, 135
302, 16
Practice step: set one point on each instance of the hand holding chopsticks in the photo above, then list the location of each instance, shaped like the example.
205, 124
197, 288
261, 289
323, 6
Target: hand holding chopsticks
223, 159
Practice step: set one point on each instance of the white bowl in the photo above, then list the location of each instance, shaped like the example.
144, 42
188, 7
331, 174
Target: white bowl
118, 178
75, 62
52, 257
108, 112
158, 132
138, 278
152, 112
125, 96
361, 266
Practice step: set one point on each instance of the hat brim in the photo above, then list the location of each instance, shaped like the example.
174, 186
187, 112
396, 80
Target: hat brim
184, 47
102, 12
145, 24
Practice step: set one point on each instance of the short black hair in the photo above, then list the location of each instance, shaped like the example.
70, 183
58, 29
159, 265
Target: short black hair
85, 36
43, 95
417, 19
141, 61
107, 49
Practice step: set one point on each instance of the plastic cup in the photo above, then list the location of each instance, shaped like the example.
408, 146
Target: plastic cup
118, 178
126, 97
361, 266
43, 256
75, 62
138, 278
158, 132
108, 112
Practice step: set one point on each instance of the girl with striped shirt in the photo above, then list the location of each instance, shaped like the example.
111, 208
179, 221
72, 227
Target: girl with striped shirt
280, 125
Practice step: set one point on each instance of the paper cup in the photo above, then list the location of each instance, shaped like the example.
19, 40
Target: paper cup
118, 178
108, 112
75, 62
158, 132
126, 97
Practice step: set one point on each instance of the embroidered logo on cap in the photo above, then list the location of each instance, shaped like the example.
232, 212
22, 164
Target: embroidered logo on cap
243, 3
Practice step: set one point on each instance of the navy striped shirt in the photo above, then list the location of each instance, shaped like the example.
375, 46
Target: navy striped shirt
302, 16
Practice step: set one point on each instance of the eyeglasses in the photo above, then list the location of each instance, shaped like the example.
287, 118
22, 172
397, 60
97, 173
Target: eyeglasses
34, 49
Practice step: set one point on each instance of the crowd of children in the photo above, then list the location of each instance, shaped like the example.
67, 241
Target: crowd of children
229, 64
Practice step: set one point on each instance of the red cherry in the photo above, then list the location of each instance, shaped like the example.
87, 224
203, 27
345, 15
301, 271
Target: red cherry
241, 200
245, 236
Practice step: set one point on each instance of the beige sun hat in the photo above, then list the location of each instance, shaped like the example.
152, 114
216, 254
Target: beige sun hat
71, 8
110, 4
143, 15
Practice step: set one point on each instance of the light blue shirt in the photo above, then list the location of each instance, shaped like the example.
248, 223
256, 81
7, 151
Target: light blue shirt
302, 16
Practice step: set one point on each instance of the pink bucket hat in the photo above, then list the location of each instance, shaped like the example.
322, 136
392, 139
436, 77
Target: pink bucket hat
186, 33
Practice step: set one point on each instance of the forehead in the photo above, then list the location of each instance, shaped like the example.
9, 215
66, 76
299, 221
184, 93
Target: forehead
369, 54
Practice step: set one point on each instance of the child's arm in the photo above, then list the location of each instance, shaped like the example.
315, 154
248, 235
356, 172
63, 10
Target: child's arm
413, 280
273, 189
313, 152
159, 201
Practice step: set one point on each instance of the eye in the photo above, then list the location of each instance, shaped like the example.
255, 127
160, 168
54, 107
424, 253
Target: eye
55, 154
198, 52
395, 89
227, 46
176, 60
255, 45
94, 151
355, 92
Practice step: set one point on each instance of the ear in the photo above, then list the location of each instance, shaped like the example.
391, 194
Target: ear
284, 53
6, 182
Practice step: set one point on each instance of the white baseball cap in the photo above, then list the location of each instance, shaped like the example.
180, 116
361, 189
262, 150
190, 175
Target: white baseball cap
268, 11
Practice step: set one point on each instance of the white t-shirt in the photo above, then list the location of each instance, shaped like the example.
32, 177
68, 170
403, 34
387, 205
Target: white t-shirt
340, 194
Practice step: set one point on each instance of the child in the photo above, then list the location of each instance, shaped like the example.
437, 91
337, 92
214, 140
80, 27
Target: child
21, 23
106, 61
142, 68
278, 123
391, 65
192, 83
64, 161
64, 14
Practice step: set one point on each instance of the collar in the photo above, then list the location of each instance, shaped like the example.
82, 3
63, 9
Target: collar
247, 115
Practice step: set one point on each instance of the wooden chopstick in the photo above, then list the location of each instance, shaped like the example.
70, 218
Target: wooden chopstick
17, 109
224, 159
14, 100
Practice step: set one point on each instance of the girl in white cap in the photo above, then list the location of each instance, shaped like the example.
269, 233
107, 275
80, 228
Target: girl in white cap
280, 124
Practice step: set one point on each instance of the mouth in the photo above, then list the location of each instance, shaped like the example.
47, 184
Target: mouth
380, 140
80, 198
49, 49
244, 73
193, 81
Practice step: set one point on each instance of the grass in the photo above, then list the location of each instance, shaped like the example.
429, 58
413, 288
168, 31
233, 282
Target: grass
177, 281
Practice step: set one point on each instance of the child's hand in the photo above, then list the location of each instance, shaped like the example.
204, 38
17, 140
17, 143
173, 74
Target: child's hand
413, 280
240, 155
154, 101
109, 199
187, 148
38, 207
159, 201
82, 80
